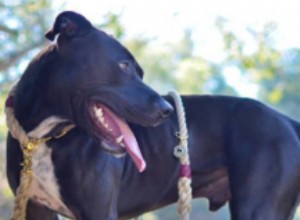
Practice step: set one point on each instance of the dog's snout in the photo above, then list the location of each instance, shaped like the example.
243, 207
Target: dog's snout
165, 109
162, 108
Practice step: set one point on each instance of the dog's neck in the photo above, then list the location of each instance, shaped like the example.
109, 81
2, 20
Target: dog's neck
50, 126
31, 101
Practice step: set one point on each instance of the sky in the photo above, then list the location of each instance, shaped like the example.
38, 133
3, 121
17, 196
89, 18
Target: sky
166, 20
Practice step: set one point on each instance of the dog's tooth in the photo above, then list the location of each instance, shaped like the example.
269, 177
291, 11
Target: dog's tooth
122, 145
95, 109
99, 112
101, 119
119, 139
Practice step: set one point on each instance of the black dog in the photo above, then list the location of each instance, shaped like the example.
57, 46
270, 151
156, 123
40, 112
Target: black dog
241, 151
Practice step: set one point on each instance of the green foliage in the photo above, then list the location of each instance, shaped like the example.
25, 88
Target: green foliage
276, 72
261, 64
175, 66
112, 23
287, 81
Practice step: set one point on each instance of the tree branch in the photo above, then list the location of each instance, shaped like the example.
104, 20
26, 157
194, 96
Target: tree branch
15, 57
8, 30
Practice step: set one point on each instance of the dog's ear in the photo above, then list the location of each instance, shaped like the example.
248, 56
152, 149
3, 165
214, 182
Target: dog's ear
68, 24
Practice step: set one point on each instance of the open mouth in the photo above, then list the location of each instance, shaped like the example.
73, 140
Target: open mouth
115, 134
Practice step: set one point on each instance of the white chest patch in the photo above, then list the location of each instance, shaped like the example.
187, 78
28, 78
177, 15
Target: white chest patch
45, 189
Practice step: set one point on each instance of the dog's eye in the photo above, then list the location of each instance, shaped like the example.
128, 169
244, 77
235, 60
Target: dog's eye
125, 66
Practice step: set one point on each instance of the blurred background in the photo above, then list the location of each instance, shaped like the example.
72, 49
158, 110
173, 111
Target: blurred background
231, 47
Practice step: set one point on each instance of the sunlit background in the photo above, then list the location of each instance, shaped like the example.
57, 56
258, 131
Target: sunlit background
230, 47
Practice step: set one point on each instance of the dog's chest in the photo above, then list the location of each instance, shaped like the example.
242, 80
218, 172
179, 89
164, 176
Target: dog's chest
45, 189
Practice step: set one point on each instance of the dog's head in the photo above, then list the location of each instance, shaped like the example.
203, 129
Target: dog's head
89, 78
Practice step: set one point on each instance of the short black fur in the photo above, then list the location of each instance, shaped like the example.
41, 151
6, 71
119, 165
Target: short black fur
241, 150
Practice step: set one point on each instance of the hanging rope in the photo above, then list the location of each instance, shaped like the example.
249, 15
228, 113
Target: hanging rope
181, 152
26, 178
28, 146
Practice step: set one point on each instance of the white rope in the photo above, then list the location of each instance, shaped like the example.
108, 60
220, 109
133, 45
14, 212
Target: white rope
181, 151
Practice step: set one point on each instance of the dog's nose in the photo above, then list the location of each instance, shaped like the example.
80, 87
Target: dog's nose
165, 109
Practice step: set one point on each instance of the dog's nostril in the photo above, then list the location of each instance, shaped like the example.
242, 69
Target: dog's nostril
165, 109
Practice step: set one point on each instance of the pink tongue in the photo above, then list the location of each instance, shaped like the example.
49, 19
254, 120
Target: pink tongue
132, 147
131, 144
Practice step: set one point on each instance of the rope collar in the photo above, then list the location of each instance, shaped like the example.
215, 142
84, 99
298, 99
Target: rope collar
33, 144
28, 145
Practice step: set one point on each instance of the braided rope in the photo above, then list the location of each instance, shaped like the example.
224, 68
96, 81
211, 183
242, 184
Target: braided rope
181, 151
22, 195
